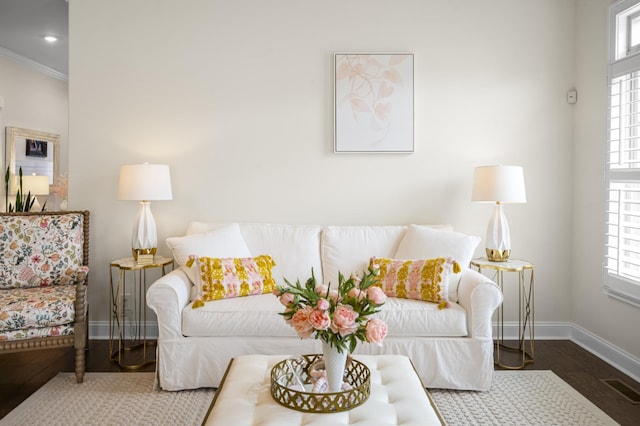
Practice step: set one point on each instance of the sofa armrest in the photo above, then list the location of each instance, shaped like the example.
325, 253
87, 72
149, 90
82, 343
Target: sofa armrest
480, 297
168, 296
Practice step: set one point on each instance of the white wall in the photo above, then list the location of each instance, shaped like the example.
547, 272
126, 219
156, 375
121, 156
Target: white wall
35, 101
236, 95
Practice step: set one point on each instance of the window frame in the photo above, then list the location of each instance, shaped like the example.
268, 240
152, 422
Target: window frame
623, 61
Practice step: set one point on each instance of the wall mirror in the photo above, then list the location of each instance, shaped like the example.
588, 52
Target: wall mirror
34, 151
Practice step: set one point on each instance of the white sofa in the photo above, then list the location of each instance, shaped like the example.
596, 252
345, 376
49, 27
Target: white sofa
450, 348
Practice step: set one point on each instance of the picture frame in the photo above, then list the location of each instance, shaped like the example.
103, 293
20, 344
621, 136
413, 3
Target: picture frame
373, 103
36, 148
34, 151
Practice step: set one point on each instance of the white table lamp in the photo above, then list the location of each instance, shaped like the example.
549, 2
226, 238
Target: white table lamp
500, 185
144, 182
35, 185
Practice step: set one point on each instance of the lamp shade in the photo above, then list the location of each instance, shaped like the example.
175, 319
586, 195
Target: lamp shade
145, 182
502, 184
36, 185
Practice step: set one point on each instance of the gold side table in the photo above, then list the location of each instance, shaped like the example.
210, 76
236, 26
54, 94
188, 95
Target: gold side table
136, 321
526, 305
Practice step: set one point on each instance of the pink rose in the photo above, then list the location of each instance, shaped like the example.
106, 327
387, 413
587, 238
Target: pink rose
376, 331
323, 304
376, 295
287, 298
276, 292
344, 320
321, 290
319, 319
356, 279
375, 268
334, 296
300, 322
356, 293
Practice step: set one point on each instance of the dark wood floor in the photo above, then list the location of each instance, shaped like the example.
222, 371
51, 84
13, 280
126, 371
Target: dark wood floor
22, 374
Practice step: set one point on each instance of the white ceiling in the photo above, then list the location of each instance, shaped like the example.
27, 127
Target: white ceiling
24, 23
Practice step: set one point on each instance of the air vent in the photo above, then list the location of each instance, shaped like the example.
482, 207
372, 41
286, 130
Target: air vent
629, 394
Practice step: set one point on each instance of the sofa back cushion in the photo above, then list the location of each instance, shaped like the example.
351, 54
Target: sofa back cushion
40, 250
347, 249
295, 249
223, 241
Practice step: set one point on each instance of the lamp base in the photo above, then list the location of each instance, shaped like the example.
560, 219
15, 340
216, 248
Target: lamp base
140, 252
495, 255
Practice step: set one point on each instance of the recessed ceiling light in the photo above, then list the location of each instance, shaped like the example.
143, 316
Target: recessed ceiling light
51, 39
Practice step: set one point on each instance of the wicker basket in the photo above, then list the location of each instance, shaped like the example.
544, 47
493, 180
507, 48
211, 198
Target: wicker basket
286, 374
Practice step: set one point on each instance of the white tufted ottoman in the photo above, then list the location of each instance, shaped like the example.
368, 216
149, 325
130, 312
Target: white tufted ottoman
397, 397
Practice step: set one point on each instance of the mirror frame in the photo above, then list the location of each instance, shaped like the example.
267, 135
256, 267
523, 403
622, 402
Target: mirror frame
15, 133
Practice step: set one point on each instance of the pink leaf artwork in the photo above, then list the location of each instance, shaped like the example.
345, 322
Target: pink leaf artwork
368, 88
359, 105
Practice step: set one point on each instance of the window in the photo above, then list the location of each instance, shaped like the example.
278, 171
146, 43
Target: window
622, 242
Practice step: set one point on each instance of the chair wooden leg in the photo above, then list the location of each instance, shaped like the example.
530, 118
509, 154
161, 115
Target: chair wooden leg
79, 364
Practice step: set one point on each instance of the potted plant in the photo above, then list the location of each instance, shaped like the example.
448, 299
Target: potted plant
22, 204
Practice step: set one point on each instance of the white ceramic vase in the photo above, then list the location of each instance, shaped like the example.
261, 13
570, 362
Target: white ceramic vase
334, 365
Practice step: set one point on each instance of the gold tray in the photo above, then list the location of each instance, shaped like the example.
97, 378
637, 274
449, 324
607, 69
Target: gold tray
287, 373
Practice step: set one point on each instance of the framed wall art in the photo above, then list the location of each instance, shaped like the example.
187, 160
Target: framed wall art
34, 151
373, 103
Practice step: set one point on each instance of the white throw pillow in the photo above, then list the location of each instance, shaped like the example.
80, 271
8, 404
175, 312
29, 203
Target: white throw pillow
226, 241
422, 242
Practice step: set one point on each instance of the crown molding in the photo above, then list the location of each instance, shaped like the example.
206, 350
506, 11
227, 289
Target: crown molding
32, 64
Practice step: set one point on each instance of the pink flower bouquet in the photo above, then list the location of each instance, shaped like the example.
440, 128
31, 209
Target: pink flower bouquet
340, 317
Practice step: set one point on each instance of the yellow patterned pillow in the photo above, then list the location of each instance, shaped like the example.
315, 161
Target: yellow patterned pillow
416, 279
222, 278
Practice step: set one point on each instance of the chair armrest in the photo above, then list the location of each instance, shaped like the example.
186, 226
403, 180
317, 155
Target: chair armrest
82, 301
81, 308
480, 297
81, 275
168, 296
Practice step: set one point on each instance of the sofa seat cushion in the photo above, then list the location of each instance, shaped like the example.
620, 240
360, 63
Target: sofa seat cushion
407, 318
33, 333
241, 316
257, 316
23, 308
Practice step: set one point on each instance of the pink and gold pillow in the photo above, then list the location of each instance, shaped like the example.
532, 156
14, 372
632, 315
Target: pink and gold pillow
425, 280
222, 278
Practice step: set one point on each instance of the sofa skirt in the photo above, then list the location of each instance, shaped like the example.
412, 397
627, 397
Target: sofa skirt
449, 363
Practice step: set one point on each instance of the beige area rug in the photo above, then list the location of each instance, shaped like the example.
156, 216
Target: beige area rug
531, 397
516, 398
110, 399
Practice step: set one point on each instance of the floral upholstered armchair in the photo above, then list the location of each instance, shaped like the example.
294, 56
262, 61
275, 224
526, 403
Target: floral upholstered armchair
44, 261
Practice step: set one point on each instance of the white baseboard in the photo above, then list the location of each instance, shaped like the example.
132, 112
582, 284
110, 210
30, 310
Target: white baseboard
99, 330
618, 358
623, 361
